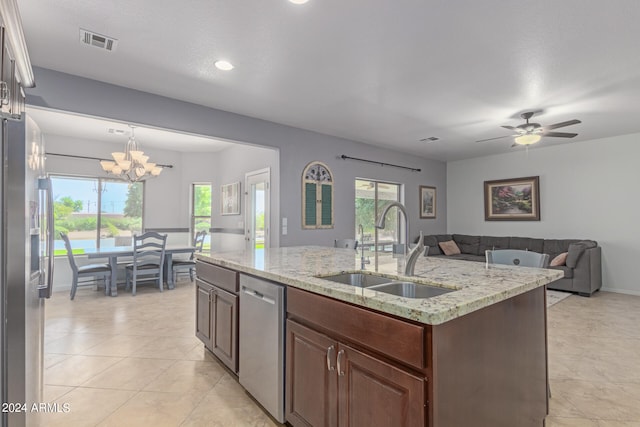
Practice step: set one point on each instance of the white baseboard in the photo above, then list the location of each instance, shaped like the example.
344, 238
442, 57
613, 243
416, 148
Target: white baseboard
621, 291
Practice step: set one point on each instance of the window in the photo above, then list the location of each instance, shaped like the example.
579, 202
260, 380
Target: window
371, 197
201, 208
317, 196
96, 212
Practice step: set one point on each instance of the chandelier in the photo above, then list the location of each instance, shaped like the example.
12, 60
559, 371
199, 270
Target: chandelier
131, 165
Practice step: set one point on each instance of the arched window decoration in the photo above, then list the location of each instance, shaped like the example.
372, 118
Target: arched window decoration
317, 196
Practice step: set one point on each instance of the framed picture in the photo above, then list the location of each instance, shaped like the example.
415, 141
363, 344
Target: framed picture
230, 199
516, 199
427, 202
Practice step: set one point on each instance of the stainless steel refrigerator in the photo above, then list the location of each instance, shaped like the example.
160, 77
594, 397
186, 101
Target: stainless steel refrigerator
27, 268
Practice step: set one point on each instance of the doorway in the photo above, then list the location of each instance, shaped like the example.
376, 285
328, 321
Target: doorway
257, 184
371, 197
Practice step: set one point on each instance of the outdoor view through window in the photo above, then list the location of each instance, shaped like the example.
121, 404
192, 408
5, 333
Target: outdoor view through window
96, 212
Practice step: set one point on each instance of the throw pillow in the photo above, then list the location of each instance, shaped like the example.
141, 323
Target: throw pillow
449, 248
559, 260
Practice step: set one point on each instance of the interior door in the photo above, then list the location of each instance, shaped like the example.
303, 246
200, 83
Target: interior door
257, 185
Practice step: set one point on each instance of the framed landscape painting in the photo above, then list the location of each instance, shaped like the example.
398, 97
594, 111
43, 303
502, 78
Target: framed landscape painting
516, 199
230, 199
427, 202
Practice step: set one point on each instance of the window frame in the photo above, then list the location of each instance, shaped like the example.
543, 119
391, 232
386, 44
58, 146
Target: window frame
193, 207
100, 181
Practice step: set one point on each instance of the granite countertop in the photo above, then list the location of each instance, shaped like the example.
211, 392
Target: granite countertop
477, 285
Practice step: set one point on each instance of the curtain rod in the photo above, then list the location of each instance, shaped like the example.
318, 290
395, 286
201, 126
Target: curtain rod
93, 158
380, 163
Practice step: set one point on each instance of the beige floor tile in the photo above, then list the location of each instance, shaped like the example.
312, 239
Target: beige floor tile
167, 348
150, 408
188, 376
570, 422
74, 343
119, 345
87, 407
594, 344
227, 405
54, 392
77, 369
130, 374
51, 359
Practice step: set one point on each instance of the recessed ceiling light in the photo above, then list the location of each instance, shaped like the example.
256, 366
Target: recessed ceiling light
224, 65
298, 1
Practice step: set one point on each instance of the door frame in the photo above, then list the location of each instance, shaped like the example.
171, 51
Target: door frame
250, 178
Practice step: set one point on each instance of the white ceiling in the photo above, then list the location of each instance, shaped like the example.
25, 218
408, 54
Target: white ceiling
384, 72
94, 129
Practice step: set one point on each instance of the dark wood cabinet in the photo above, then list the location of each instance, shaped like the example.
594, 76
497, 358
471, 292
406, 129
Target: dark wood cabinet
333, 384
217, 306
224, 328
484, 369
373, 392
203, 312
312, 383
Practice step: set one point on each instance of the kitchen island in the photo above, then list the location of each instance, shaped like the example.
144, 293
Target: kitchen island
475, 356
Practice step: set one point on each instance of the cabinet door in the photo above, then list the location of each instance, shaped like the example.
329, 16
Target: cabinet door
312, 391
203, 312
224, 327
375, 393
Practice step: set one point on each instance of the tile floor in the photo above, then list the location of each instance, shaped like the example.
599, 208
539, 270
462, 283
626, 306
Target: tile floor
134, 361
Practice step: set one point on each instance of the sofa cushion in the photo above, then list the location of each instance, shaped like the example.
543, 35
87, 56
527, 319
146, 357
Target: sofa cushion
433, 240
527, 244
559, 260
576, 250
468, 244
568, 271
489, 243
555, 247
449, 248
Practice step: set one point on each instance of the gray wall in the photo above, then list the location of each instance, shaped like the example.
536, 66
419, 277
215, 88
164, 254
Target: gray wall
297, 148
588, 190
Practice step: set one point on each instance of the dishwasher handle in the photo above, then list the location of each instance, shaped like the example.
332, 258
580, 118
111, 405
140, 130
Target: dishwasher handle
255, 294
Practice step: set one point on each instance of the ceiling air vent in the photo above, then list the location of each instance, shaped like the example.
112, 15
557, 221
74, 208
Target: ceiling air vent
97, 40
429, 139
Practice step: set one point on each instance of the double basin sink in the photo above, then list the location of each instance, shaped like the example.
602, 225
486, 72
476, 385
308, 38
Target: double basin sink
387, 285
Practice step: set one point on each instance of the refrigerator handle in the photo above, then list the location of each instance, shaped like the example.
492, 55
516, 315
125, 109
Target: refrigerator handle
45, 184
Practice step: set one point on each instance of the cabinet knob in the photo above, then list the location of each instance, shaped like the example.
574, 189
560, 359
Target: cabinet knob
330, 352
339, 363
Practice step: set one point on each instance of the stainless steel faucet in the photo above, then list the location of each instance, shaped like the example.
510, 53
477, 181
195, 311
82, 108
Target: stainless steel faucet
413, 256
363, 261
381, 220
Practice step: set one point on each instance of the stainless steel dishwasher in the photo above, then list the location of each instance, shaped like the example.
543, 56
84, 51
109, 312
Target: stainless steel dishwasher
261, 342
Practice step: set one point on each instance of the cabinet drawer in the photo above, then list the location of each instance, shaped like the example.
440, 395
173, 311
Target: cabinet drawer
391, 337
219, 276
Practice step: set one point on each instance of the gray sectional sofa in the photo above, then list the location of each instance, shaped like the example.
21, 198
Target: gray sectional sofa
582, 272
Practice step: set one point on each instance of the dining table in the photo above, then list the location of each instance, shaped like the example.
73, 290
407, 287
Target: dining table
113, 252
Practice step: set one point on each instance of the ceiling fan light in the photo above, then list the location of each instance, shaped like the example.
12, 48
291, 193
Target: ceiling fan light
527, 139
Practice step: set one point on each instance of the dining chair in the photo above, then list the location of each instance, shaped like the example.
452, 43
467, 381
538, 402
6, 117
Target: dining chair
517, 257
92, 271
188, 265
345, 243
148, 260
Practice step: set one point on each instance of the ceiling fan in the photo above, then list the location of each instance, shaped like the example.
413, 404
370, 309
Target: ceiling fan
530, 133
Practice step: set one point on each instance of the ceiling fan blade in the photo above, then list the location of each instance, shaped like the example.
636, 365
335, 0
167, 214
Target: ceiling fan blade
562, 124
491, 139
560, 134
509, 127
